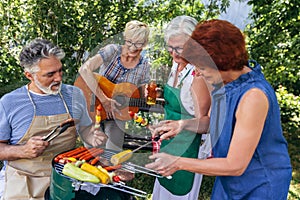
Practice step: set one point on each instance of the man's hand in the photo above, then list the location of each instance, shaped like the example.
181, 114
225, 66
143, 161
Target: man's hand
34, 147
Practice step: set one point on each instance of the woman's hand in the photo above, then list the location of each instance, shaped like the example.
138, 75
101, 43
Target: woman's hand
100, 138
164, 164
92, 136
110, 106
167, 128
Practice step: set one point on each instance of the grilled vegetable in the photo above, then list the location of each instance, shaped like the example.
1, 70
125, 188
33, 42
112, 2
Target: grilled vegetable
79, 174
116, 179
98, 117
121, 157
145, 122
78, 163
104, 177
102, 169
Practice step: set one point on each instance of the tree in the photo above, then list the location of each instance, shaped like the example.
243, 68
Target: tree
275, 41
79, 26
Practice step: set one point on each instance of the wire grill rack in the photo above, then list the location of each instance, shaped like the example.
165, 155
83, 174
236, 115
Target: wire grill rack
121, 186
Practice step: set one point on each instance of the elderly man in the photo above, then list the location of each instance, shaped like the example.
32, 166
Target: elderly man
30, 112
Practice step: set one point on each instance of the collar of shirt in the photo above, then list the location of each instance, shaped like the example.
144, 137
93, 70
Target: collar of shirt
184, 71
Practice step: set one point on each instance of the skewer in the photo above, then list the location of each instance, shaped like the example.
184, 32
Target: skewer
98, 117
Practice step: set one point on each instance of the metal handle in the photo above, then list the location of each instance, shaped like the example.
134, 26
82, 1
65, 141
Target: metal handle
155, 139
64, 126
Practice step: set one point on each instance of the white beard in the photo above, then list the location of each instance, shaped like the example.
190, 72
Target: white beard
47, 90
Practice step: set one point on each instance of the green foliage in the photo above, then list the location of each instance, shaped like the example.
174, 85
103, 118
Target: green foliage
142, 182
136, 128
293, 140
206, 187
275, 41
11, 27
80, 26
9, 87
290, 109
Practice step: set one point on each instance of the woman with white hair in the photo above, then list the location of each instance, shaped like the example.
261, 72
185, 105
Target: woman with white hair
186, 96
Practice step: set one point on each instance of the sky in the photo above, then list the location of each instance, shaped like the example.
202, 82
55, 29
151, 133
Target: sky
237, 13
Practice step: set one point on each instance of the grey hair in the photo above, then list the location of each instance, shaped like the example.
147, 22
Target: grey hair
36, 50
180, 25
138, 30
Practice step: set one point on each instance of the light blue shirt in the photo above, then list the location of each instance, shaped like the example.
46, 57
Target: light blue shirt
17, 111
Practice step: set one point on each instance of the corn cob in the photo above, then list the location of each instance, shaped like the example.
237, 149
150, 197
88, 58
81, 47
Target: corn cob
104, 178
121, 157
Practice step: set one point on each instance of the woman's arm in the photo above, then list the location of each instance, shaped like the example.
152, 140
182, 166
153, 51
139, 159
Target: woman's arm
250, 119
199, 124
86, 72
201, 97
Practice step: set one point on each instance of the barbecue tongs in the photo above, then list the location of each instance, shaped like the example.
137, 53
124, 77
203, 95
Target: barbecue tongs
64, 126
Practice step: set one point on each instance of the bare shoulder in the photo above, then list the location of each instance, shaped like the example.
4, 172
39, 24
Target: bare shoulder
199, 82
255, 95
253, 100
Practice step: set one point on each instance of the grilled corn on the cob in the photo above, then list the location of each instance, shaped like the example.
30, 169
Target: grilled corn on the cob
121, 157
104, 177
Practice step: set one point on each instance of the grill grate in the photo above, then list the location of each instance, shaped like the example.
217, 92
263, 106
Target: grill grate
131, 167
128, 166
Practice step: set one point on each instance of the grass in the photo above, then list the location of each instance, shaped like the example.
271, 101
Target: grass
294, 149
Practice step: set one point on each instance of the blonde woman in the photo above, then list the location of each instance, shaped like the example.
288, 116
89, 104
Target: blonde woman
119, 63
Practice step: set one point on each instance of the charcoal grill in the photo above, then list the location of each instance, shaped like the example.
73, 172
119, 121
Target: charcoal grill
72, 185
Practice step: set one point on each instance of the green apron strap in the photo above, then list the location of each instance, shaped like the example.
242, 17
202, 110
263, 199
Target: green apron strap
185, 144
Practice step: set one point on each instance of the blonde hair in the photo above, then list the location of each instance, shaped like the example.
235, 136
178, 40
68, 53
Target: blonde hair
138, 30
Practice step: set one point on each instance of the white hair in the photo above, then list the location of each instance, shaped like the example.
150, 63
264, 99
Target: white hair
36, 50
180, 25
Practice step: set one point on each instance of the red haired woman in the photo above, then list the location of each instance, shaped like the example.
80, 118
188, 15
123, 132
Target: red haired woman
250, 155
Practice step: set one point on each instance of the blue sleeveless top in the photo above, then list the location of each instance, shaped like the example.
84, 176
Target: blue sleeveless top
269, 172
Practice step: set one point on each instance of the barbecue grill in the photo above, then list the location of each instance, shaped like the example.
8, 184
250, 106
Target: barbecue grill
66, 188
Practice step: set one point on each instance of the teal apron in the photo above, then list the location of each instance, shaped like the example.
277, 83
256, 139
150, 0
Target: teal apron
185, 144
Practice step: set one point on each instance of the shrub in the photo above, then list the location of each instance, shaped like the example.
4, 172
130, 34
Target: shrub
290, 109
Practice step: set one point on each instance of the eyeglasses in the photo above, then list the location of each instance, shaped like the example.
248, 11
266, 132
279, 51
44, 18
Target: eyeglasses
177, 50
137, 45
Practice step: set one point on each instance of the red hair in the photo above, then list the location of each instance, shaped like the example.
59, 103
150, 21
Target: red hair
216, 43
